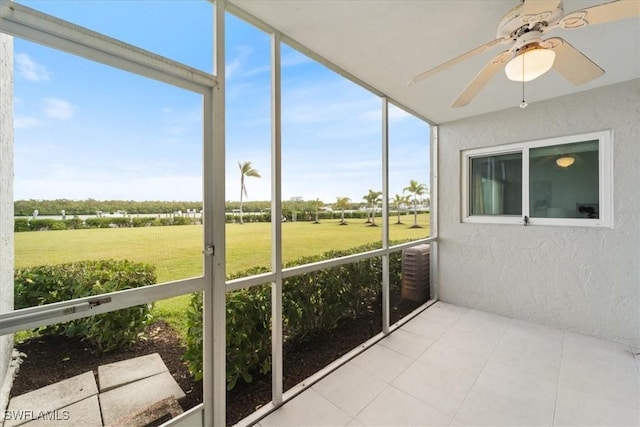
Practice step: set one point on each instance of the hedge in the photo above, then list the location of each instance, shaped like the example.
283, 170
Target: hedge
302, 216
24, 224
53, 283
312, 302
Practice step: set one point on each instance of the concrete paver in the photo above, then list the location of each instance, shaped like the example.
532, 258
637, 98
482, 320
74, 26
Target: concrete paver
85, 413
50, 398
127, 371
134, 397
128, 388
159, 412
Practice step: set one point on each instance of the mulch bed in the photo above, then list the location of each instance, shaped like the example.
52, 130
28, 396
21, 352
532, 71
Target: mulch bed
52, 358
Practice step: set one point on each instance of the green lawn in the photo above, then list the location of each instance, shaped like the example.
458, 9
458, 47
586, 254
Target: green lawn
175, 251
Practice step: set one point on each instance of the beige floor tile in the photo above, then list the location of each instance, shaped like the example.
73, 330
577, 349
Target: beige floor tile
577, 408
407, 343
396, 408
383, 362
309, 408
350, 388
439, 388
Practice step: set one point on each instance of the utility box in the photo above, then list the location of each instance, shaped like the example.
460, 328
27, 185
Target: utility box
415, 273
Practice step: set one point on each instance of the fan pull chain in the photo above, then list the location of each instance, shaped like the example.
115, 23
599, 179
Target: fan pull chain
523, 104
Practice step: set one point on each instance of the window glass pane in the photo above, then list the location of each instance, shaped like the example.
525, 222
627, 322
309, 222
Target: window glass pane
496, 185
564, 181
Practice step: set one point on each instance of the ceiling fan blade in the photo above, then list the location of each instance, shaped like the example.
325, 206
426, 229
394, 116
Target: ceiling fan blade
601, 14
536, 7
483, 77
454, 61
573, 64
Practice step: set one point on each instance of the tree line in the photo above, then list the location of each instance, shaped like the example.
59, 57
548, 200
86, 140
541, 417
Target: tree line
72, 208
92, 207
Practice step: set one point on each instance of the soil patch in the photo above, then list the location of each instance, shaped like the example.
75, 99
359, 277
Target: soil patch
52, 358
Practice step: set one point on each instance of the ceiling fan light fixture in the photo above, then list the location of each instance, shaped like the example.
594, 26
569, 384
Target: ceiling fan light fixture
565, 161
531, 62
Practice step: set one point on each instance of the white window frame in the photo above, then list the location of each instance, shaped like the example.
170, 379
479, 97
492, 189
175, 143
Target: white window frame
605, 181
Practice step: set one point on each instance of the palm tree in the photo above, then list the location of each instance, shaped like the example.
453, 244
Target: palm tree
372, 198
245, 170
417, 190
342, 204
397, 202
317, 203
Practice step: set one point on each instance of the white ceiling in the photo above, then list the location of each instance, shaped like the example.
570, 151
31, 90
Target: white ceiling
386, 42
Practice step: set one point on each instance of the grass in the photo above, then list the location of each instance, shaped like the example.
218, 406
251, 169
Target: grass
175, 251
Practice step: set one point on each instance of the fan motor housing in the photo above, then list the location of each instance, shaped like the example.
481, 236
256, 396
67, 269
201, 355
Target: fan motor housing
513, 20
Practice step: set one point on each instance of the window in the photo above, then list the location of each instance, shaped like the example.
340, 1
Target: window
496, 185
560, 181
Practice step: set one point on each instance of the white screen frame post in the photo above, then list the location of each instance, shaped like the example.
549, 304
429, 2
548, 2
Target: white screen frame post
214, 296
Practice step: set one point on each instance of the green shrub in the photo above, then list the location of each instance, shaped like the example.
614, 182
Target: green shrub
248, 332
21, 224
74, 223
162, 222
98, 222
119, 222
53, 283
181, 220
47, 224
312, 302
194, 343
142, 221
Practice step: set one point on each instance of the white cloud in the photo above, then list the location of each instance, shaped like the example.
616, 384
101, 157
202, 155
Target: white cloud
233, 66
290, 60
397, 114
257, 71
294, 58
176, 130
25, 122
55, 108
29, 70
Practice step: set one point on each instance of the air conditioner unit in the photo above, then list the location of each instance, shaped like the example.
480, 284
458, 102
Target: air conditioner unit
415, 273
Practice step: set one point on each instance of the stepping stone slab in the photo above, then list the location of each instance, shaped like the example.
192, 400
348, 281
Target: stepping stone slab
85, 413
51, 397
192, 418
127, 371
156, 414
135, 397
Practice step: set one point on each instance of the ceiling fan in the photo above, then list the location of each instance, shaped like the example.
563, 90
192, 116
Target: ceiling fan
529, 55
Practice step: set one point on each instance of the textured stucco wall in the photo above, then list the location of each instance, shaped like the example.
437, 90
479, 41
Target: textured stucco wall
6, 199
582, 279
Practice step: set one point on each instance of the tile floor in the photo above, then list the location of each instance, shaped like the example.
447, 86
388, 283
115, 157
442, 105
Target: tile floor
452, 366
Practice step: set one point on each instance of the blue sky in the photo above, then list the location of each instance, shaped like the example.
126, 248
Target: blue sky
85, 130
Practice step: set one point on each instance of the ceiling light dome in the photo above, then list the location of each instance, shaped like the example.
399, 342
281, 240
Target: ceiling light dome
565, 162
532, 62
